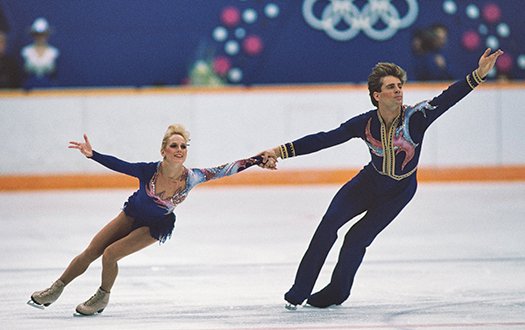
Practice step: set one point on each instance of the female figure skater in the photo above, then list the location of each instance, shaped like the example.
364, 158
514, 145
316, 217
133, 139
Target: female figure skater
147, 216
394, 134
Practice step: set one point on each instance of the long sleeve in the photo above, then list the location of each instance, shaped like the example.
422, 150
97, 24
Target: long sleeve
200, 175
452, 95
322, 140
118, 165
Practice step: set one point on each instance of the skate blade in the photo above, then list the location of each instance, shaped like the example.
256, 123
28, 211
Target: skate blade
35, 305
335, 306
77, 314
290, 307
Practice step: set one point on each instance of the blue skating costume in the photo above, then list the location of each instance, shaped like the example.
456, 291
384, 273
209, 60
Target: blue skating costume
381, 189
149, 210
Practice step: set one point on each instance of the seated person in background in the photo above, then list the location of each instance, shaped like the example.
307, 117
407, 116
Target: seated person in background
40, 57
427, 46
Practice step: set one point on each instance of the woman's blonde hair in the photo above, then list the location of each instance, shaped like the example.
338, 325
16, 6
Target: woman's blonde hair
172, 130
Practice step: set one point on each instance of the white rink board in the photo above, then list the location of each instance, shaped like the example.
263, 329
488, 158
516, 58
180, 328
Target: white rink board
484, 129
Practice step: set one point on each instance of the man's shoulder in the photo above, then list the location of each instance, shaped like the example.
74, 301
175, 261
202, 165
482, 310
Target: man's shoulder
364, 116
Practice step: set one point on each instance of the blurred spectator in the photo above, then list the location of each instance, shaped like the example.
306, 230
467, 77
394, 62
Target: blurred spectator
10, 73
4, 25
40, 58
427, 47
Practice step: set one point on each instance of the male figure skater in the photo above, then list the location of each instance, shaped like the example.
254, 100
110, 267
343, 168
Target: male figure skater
394, 134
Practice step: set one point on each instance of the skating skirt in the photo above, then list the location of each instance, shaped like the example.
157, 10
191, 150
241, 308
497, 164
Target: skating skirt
160, 227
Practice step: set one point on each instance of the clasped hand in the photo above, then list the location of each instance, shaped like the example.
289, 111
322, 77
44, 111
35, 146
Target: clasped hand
269, 159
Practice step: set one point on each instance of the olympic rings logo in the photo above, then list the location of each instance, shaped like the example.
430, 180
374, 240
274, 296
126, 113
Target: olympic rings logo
342, 20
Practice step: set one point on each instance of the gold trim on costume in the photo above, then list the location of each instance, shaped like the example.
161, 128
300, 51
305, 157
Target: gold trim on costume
478, 79
389, 153
287, 150
292, 149
474, 80
284, 154
469, 82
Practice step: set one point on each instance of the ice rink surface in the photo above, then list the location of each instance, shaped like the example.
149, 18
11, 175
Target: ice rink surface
453, 259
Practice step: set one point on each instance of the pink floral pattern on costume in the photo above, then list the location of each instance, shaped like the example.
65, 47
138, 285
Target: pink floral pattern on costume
195, 176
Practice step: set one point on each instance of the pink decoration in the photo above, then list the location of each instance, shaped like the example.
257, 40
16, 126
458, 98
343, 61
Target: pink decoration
221, 65
252, 45
491, 13
471, 40
230, 16
504, 63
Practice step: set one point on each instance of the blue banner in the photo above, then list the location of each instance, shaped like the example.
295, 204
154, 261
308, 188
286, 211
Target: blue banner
253, 42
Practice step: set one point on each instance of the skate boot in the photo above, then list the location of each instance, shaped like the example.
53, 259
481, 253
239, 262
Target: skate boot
44, 298
95, 304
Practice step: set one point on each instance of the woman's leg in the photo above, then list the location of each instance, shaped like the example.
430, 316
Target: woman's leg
119, 227
135, 241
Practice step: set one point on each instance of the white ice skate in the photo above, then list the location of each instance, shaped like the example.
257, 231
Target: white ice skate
93, 305
44, 298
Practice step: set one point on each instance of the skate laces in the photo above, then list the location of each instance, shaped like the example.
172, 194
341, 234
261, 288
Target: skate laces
95, 298
44, 292
48, 290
